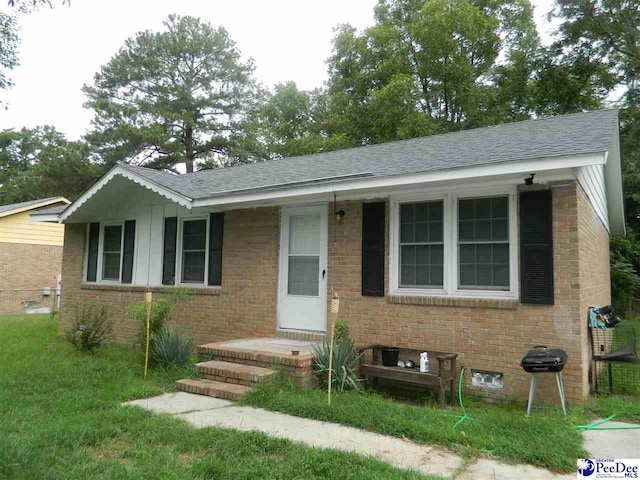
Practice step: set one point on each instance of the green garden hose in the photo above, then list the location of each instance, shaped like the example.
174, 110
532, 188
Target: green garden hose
464, 416
596, 425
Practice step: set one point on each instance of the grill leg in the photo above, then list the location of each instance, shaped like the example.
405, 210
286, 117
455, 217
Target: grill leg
561, 391
532, 391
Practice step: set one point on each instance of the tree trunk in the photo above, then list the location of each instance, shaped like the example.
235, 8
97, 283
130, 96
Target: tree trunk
189, 155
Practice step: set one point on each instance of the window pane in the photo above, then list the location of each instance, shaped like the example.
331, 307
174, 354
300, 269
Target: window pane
436, 231
406, 212
422, 255
467, 275
194, 235
435, 211
421, 212
407, 275
406, 233
193, 267
408, 254
436, 254
422, 232
499, 230
303, 276
304, 234
466, 231
422, 275
111, 266
501, 275
437, 275
483, 264
465, 209
467, 253
499, 207
112, 238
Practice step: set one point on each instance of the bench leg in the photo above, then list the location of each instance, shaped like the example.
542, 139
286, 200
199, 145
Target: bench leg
441, 394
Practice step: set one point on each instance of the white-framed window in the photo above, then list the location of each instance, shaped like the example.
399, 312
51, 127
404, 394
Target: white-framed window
111, 252
454, 244
193, 241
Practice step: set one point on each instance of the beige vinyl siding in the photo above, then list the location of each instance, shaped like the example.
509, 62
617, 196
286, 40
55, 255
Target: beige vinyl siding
18, 228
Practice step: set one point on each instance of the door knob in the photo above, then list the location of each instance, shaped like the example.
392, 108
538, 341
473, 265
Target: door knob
323, 273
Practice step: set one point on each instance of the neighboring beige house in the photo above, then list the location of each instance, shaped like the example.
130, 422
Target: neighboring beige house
443, 243
30, 255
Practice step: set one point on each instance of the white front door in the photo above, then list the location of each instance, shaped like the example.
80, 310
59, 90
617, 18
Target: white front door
302, 296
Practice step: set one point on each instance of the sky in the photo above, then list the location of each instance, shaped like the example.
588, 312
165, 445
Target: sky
63, 47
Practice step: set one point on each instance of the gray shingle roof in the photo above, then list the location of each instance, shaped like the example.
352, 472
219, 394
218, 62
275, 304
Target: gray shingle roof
16, 206
51, 210
579, 133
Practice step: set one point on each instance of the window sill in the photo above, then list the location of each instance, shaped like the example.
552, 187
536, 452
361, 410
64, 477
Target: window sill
501, 304
214, 291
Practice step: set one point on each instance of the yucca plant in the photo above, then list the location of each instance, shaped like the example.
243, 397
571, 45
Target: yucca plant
170, 348
344, 366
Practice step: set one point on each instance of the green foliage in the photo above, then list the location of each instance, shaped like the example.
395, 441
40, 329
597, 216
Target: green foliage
8, 47
625, 261
92, 327
41, 162
342, 332
177, 96
344, 366
161, 310
171, 348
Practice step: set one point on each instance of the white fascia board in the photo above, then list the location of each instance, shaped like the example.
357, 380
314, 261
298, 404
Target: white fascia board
48, 218
506, 168
118, 170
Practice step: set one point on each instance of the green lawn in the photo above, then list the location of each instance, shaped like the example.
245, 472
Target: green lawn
61, 418
546, 439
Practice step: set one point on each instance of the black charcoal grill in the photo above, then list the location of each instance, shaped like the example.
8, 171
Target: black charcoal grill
543, 360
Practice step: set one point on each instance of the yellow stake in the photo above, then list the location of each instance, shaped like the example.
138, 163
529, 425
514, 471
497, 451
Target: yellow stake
148, 297
335, 308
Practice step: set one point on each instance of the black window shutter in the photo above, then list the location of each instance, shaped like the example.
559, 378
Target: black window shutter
373, 249
129, 247
169, 254
216, 233
536, 247
92, 260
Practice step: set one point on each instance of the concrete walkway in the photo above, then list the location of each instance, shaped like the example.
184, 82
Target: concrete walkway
202, 412
612, 443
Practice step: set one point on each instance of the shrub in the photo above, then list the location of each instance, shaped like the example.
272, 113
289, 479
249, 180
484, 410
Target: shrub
92, 327
170, 348
342, 330
344, 375
161, 310
625, 282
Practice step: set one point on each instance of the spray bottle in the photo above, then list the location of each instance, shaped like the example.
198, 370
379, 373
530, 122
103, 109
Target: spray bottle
424, 362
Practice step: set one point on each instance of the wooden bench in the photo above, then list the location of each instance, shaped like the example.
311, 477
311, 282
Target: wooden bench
441, 375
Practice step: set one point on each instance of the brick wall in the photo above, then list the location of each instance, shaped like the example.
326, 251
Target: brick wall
488, 335
26, 270
246, 307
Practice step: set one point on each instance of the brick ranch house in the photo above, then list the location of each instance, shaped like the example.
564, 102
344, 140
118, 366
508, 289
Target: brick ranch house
434, 242
30, 255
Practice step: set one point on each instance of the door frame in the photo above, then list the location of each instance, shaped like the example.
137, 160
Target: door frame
283, 256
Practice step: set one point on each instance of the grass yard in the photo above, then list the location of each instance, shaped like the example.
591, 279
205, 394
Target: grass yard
546, 439
61, 418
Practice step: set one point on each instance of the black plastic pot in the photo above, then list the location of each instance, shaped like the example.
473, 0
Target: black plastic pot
390, 356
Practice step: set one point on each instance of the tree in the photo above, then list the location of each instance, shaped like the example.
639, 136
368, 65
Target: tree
178, 96
428, 67
295, 122
41, 162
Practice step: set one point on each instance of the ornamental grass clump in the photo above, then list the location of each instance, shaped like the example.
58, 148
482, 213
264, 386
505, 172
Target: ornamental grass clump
170, 348
344, 375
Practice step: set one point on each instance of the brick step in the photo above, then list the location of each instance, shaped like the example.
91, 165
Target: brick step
232, 372
223, 353
227, 391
